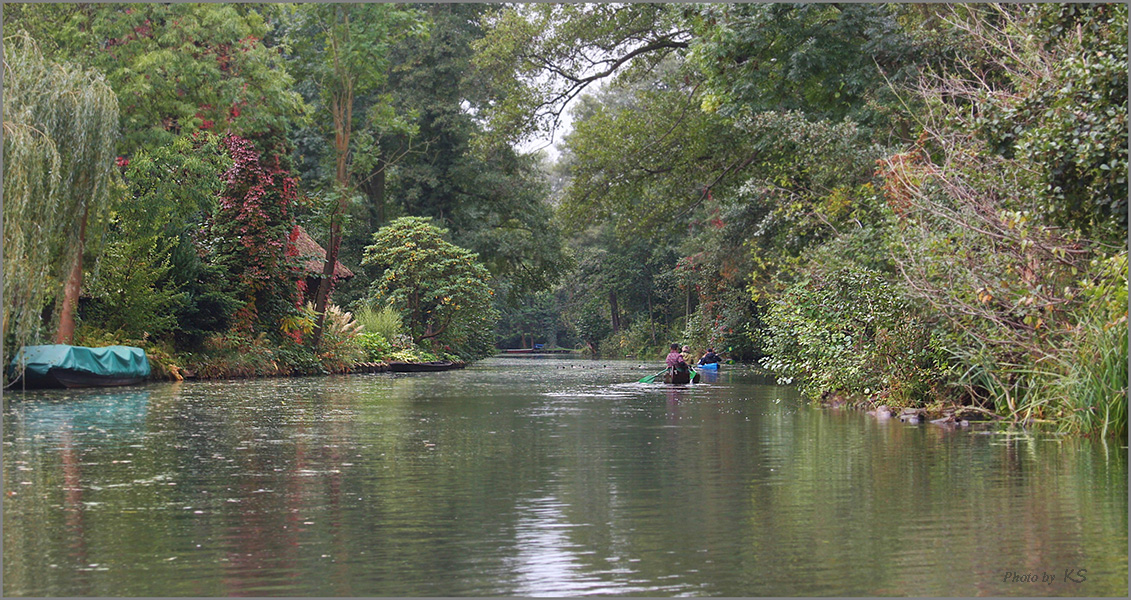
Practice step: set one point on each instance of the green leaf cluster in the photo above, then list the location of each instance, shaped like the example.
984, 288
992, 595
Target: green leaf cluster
60, 132
846, 330
440, 289
1065, 111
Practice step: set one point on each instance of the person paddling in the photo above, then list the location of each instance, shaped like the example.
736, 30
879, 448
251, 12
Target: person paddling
675, 366
675, 360
709, 358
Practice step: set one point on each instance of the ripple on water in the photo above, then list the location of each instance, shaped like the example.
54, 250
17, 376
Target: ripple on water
521, 478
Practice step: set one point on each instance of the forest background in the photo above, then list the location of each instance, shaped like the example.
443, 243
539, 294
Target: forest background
912, 204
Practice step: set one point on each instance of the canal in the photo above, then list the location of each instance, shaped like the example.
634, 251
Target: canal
540, 477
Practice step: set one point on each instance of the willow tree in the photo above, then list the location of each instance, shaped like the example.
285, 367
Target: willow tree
60, 128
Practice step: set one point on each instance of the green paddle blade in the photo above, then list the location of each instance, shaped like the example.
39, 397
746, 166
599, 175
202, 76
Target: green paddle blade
651, 378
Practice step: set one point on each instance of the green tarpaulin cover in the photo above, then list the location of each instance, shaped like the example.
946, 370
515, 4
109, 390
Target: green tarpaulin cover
111, 361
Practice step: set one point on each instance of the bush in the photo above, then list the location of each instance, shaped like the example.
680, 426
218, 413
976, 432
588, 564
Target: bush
441, 289
374, 346
847, 331
1091, 386
235, 354
132, 292
637, 340
240, 354
338, 350
385, 321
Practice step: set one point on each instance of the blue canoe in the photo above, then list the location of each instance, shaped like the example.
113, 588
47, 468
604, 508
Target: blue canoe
60, 365
708, 367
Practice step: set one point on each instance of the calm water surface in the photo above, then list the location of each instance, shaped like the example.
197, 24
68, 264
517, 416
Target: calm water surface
538, 477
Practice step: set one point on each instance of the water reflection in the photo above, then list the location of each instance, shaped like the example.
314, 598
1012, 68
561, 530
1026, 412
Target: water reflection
539, 478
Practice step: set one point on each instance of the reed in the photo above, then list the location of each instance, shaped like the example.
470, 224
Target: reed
1082, 387
385, 321
1092, 387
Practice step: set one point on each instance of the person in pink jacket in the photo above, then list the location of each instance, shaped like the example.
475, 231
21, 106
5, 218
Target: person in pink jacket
675, 359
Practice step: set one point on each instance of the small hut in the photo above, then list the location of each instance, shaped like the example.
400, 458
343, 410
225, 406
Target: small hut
311, 259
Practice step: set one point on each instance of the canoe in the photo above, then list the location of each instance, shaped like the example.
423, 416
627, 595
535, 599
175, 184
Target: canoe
64, 366
677, 377
440, 365
708, 367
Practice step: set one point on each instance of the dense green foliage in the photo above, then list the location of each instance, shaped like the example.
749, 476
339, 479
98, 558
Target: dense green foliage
901, 202
228, 141
846, 331
907, 203
177, 68
441, 289
59, 139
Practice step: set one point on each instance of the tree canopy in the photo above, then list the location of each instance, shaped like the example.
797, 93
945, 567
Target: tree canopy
755, 177
441, 289
59, 140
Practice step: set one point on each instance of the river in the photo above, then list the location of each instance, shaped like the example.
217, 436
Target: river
540, 477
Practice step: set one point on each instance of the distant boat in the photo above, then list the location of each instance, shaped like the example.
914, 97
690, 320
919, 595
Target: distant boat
538, 351
64, 366
440, 365
708, 367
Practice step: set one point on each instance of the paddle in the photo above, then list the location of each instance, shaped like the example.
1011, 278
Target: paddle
651, 378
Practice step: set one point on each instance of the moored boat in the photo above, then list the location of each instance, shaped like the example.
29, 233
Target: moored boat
536, 351
65, 366
439, 365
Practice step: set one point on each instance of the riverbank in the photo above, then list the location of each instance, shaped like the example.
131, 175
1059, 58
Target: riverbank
238, 356
952, 415
172, 373
176, 374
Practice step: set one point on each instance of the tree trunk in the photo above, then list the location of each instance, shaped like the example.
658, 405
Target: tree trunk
66, 332
651, 320
375, 191
341, 107
614, 310
687, 310
322, 298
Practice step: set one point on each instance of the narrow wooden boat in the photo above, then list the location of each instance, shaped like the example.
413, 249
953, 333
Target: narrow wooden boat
678, 377
64, 366
407, 367
535, 351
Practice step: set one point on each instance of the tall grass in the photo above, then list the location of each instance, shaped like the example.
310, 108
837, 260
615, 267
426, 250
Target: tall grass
1082, 387
1092, 389
385, 321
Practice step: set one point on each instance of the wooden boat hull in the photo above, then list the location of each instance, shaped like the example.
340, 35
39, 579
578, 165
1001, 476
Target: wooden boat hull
405, 367
78, 379
677, 377
65, 366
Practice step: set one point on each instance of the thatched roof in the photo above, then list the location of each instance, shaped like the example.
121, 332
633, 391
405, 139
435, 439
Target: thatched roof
311, 256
